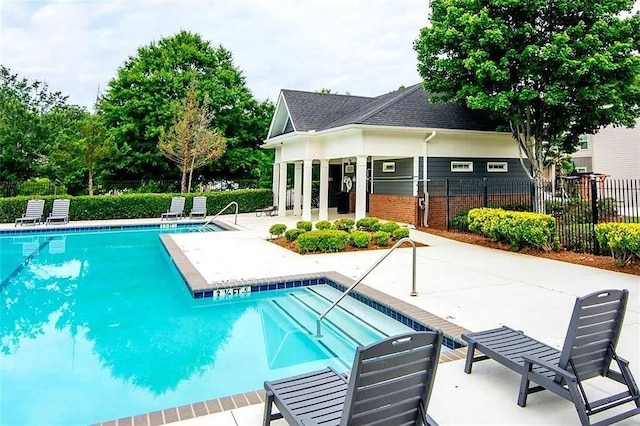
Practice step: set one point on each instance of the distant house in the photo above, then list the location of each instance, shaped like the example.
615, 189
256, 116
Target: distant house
376, 152
614, 151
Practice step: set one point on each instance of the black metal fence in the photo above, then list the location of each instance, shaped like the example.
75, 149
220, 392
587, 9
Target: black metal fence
578, 203
108, 187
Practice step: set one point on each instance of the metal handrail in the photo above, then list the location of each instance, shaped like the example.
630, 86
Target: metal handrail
235, 221
414, 291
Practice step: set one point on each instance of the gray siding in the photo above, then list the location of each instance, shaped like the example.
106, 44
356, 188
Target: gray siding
440, 168
399, 182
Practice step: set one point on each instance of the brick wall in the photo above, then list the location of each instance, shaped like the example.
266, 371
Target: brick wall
394, 207
438, 206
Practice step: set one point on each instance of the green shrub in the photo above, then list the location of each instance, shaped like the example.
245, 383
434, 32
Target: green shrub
460, 221
345, 224
277, 229
138, 206
621, 239
370, 224
303, 224
514, 207
329, 240
293, 234
515, 228
389, 227
360, 239
40, 186
381, 238
400, 233
323, 224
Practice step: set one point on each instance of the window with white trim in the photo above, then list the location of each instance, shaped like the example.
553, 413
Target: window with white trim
462, 166
497, 166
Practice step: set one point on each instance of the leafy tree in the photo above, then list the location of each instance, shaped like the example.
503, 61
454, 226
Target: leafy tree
139, 101
26, 131
190, 142
551, 70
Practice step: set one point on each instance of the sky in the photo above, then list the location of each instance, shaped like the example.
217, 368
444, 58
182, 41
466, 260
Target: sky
364, 47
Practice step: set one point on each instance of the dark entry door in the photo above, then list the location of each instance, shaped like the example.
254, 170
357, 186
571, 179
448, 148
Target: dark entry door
335, 176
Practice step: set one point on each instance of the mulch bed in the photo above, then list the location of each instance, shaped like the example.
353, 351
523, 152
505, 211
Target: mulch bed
585, 259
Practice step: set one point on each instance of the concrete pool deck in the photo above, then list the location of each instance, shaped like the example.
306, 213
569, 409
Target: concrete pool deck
473, 287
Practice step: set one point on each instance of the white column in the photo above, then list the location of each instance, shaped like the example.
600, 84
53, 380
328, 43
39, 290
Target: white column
361, 187
306, 200
282, 190
323, 206
297, 189
276, 183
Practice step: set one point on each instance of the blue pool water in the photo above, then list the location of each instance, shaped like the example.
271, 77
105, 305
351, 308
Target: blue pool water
96, 326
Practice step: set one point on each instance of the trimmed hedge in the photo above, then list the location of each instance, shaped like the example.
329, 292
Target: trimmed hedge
294, 233
345, 224
515, 228
400, 233
621, 239
370, 224
322, 225
382, 238
137, 206
330, 240
360, 239
277, 229
303, 224
389, 227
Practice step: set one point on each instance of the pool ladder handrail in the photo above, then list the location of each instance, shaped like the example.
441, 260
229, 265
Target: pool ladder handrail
235, 221
414, 291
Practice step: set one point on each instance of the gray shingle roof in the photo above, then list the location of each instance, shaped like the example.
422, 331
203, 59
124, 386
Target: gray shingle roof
407, 107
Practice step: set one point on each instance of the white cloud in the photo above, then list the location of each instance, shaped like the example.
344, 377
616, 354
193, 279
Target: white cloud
360, 46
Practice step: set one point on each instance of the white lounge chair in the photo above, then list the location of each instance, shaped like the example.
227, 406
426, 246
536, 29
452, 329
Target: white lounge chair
59, 212
199, 208
176, 210
33, 214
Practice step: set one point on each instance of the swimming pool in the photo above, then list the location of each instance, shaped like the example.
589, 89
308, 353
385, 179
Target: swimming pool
99, 325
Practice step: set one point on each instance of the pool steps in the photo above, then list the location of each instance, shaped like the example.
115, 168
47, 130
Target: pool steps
347, 326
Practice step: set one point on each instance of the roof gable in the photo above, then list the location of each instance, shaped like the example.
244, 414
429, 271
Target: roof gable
406, 107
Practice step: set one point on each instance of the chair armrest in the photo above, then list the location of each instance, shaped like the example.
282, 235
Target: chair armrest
537, 361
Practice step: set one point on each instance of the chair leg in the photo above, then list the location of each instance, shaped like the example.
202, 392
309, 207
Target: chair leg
524, 384
578, 403
469, 362
268, 404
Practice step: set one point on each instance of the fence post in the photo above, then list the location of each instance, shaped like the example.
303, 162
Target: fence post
532, 191
485, 195
446, 209
594, 213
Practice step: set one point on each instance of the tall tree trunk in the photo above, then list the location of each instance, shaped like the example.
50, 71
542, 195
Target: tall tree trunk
193, 159
91, 181
183, 182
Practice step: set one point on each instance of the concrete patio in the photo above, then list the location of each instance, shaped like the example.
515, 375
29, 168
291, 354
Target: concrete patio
473, 287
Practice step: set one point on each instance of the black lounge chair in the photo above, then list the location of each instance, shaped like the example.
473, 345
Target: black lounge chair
588, 351
390, 383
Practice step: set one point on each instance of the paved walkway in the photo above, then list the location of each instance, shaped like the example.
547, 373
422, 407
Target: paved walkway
471, 286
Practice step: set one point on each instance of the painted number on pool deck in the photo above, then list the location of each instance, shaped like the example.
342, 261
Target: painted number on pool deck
226, 293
